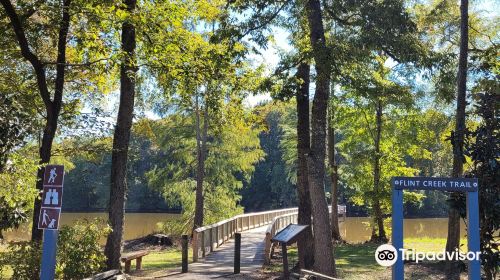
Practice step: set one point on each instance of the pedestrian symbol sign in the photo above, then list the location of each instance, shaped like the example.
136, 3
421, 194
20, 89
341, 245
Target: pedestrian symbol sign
54, 175
50, 212
49, 218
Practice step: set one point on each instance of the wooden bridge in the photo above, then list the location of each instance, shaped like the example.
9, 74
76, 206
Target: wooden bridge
213, 245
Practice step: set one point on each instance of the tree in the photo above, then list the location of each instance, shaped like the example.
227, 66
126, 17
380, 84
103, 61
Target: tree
14, 126
483, 146
304, 244
453, 239
323, 250
232, 151
334, 177
272, 186
52, 104
121, 140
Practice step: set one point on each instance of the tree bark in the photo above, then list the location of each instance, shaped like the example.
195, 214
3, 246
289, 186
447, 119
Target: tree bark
323, 247
379, 219
201, 147
453, 239
121, 141
334, 178
305, 244
52, 106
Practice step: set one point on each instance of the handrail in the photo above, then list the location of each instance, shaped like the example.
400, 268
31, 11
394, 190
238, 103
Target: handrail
281, 222
207, 238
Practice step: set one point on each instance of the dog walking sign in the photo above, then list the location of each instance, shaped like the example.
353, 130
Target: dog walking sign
468, 185
49, 216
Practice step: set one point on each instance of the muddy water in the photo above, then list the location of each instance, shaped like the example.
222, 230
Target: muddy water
353, 230
357, 230
136, 224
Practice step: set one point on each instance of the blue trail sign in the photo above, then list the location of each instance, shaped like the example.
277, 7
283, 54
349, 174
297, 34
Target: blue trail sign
468, 185
435, 183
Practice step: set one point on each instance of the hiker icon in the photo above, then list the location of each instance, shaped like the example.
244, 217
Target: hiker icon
52, 176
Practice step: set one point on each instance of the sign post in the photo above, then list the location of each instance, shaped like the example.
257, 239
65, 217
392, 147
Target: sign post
468, 185
48, 220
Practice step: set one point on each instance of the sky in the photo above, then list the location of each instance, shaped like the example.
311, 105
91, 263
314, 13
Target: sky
269, 56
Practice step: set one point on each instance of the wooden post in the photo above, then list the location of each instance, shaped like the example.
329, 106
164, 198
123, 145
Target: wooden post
211, 240
138, 263
195, 246
237, 252
286, 273
185, 253
203, 253
267, 249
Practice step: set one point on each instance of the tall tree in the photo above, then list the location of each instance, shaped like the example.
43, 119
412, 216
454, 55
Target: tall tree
377, 209
323, 249
453, 240
333, 174
52, 104
304, 244
201, 151
121, 139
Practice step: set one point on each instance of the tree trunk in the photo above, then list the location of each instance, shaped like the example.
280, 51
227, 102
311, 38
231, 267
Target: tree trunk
453, 239
305, 243
121, 142
323, 247
334, 178
52, 107
201, 147
377, 211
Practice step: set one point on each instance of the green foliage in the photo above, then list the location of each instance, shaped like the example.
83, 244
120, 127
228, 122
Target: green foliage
272, 184
79, 252
233, 149
14, 126
24, 259
484, 148
18, 193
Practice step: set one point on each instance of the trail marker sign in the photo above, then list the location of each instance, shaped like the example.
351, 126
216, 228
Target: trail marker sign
468, 185
50, 212
48, 219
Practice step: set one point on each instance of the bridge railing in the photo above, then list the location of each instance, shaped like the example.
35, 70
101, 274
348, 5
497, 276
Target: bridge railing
207, 238
280, 222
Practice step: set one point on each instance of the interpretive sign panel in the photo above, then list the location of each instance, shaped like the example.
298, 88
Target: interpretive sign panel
289, 233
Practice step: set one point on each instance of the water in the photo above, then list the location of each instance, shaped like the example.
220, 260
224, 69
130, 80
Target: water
353, 230
136, 224
357, 230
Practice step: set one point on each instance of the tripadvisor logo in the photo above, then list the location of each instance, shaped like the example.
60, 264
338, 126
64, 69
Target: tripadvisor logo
386, 255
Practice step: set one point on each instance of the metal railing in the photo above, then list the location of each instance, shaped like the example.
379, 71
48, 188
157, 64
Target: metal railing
280, 222
207, 238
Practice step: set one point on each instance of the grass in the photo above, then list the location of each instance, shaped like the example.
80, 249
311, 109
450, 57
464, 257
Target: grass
156, 263
357, 261
165, 259
353, 260
426, 244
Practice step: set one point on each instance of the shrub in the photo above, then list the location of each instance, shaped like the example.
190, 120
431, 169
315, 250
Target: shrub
24, 259
79, 252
